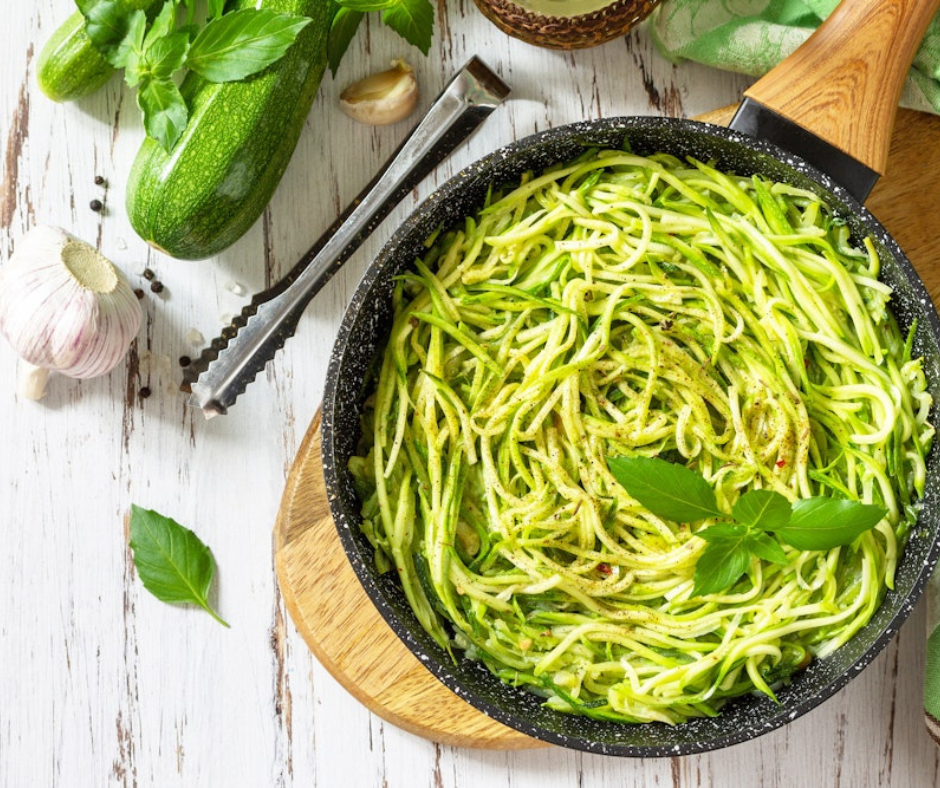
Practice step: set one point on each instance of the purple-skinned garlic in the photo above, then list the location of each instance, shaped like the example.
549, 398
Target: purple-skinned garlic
64, 307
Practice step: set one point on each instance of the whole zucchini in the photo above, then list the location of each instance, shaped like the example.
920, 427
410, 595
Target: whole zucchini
204, 194
69, 67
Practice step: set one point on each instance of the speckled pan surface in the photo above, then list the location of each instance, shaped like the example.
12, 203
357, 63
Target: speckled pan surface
361, 337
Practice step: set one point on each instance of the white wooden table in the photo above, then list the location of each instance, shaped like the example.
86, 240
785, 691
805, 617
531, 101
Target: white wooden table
100, 684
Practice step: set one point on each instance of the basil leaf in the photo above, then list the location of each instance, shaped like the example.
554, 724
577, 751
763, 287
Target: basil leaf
720, 565
190, 6
763, 546
107, 24
216, 7
164, 109
129, 52
342, 29
165, 55
720, 531
163, 24
172, 562
764, 509
413, 20
666, 489
823, 523
191, 31
242, 43
367, 5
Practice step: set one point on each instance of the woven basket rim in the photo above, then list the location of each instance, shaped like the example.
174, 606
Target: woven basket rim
566, 32
614, 9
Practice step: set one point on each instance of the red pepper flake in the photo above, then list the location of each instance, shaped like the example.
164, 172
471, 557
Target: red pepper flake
604, 569
780, 463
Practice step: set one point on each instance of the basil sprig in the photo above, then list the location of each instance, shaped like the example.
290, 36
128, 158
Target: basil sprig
153, 50
413, 20
681, 495
172, 562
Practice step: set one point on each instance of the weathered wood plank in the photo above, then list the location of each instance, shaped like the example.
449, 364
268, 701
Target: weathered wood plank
101, 684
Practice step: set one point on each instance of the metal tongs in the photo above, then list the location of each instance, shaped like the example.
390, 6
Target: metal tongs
232, 360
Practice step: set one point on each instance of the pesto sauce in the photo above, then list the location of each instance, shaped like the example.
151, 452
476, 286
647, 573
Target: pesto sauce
563, 7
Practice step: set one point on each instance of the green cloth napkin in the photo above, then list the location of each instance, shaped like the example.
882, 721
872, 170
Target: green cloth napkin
752, 36
932, 671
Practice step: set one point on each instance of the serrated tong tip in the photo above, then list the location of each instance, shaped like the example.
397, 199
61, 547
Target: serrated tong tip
233, 359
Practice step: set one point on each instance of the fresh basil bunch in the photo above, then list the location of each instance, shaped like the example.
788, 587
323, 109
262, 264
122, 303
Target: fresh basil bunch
675, 493
413, 20
226, 47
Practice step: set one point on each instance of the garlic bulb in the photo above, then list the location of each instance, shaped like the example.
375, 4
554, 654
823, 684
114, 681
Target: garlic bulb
64, 307
382, 98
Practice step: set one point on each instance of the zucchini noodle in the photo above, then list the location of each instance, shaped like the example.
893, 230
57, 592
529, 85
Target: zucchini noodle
638, 306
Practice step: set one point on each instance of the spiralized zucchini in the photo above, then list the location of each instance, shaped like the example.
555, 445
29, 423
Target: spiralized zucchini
628, 305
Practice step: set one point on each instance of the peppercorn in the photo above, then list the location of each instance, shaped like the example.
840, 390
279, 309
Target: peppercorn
139, 293
96, 205
157, 286
144, 392
99, 181
185, 361
148, 274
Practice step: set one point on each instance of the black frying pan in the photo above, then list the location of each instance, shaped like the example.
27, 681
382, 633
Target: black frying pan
822, 121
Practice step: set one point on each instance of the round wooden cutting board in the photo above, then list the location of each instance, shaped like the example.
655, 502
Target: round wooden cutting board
338, 620
346, 632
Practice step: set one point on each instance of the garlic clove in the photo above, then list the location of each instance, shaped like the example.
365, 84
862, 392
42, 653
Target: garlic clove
383, 98
32, 381
65, 307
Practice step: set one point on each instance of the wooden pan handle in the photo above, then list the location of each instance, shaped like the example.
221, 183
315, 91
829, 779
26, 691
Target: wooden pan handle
844, 83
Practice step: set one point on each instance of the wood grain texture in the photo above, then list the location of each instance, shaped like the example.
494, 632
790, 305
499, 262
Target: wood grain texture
100, 684
345, 631
853, 66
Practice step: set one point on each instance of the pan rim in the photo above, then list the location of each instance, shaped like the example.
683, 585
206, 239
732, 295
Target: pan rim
347, 522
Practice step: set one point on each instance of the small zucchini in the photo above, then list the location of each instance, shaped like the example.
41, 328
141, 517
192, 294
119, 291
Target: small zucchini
204, 194
69, 67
